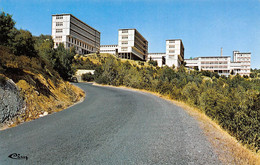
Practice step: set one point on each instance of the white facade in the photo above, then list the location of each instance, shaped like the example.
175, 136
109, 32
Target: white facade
159, 57
72, 32
132, 45
245, 60
219, 64
223, 64
111, 49
174, 53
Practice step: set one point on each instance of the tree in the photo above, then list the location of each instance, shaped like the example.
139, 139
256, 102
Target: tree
23, 44
44, 46
190, 93
232, 72
6, 28
20, 41
253, 75
152, 62
87, 77
245, 76
63, 61
196, 68
167, 74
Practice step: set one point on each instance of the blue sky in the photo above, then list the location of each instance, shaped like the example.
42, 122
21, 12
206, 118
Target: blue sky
203, 25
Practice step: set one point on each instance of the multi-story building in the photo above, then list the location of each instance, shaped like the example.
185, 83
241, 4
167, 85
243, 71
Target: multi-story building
245, 60
223, 64
112, 49
174, 54
72, 32
219, 64
131, 45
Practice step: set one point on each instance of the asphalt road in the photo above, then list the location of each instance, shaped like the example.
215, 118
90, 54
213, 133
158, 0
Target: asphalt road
111, 126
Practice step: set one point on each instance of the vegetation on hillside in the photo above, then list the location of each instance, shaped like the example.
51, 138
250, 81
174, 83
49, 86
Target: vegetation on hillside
37, 69
255, 73
233, 102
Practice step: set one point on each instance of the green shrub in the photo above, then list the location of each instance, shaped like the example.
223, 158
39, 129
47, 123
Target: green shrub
234, 103
88, 77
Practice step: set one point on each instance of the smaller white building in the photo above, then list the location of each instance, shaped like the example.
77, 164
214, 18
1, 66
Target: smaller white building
131, 45
111, 49
218, 64
245, 60
223, 65
159, 57
174, 54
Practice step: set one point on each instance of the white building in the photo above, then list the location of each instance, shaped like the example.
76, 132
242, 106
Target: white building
159, 57
174, 54
71, 31
223, 64
219, 64
131, 45
245, 60
112, 49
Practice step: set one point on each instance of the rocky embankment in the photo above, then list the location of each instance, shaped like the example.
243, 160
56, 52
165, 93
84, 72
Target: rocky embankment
21, 101
11, 102
30, 88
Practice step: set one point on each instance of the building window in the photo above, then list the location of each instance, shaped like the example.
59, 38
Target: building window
58, 30
124, 37
58, 38
59, 23
124, 49
171, 46
171, 51
124, 31
59, 17
124, 42
171, 41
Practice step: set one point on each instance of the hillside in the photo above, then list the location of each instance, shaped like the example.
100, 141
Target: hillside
42, 89
94, 61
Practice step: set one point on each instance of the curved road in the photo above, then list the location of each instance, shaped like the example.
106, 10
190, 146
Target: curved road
111, 126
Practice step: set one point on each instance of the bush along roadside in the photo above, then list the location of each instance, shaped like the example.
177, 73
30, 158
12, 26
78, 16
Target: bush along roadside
233, 102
